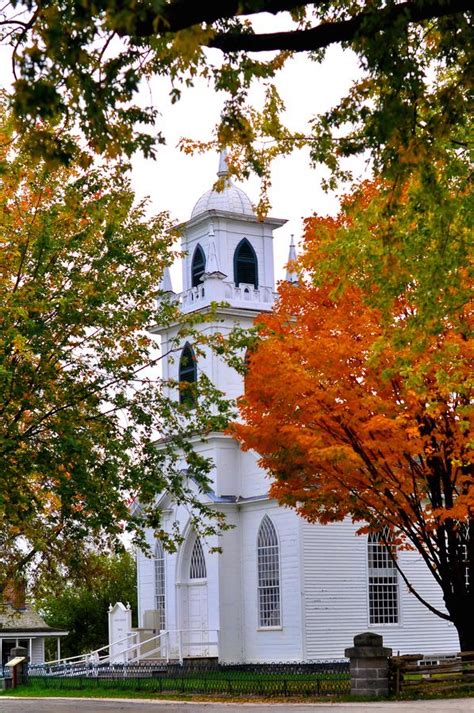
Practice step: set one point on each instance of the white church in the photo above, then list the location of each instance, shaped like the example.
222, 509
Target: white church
281, 589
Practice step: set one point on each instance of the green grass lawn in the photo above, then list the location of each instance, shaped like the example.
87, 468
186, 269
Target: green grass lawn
230, 685
216, 683
95, 692
92, 692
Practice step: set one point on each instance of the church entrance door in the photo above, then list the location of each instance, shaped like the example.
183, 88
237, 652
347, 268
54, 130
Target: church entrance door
198, 634
195, 632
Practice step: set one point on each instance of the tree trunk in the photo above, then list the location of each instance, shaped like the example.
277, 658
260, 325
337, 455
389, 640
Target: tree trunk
465, 628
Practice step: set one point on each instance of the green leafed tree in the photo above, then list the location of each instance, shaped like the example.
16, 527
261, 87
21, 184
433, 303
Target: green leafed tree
81, 399
85, 61
406, 114
81, 606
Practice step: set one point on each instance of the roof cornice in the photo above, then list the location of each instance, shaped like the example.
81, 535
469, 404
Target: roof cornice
219, 312
243, 217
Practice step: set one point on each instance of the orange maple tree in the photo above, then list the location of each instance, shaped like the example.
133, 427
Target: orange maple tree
353, 422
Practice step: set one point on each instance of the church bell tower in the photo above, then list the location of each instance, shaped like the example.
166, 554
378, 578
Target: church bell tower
228, 261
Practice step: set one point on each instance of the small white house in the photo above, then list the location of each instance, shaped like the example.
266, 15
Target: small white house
281, 589
23, 626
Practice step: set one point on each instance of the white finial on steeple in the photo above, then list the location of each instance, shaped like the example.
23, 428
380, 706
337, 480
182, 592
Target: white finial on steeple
291, 275
223, 169
166, 285
212, 263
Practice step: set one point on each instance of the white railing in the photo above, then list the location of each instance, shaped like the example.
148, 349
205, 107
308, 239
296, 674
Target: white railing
196, 296
248, 293
193, 643
92, 655
174, 644
189, 298
170, 644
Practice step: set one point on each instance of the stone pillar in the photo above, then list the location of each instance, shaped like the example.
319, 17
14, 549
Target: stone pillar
368, 665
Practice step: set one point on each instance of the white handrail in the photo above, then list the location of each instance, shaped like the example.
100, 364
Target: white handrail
90, 653
94, 658
138, 644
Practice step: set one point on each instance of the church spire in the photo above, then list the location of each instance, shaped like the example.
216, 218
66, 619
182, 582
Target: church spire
166, 285
291, 275
212, 263
213, 276
223, 170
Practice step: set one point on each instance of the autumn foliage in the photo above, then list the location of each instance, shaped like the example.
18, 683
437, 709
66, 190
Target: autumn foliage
81, 401
352, 420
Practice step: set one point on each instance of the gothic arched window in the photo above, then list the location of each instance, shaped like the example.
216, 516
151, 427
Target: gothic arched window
160, 592
187, 377
268, 568
383, 581
245, 264
197, 569
198, 266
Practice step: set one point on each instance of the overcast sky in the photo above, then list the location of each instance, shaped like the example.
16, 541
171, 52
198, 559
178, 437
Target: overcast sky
175, 181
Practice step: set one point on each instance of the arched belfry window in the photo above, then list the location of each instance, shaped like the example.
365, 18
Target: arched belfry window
187, 377
160, 591
245, 264
268, 570
383, 580
198, 266
197, 568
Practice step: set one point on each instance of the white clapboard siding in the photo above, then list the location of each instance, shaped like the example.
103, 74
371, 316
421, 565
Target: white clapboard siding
230, 592
285, 643
146, 580
37, 651
336, 597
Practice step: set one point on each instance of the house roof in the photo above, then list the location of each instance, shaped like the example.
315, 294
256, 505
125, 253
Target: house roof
26, 621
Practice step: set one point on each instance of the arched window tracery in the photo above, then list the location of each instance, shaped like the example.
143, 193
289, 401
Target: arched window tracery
197, 568
268, 571
187, 377
198, 266
160, 586
245, 264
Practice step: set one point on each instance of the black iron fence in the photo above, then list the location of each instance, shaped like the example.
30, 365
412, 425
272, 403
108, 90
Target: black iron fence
317, 678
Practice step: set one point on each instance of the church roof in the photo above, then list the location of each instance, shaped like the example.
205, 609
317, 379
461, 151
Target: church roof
231, 199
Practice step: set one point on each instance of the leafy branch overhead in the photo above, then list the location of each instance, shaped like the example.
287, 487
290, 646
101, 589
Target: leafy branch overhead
82, 403
83, 64
363, 22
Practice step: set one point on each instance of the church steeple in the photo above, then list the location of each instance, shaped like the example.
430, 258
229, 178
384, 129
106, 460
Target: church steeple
212, 264
166, 285
213, 278
223, 169
291, 275
229, 251
227, 268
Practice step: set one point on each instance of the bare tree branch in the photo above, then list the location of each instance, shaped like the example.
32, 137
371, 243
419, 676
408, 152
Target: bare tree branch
343, 31
181, 14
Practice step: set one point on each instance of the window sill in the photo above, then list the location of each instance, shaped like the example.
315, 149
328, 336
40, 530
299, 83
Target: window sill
269, 628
